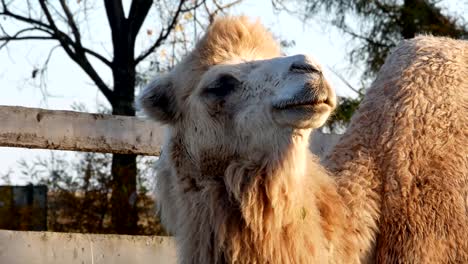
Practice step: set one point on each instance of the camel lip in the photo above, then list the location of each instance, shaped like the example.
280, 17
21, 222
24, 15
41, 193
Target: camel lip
294, 104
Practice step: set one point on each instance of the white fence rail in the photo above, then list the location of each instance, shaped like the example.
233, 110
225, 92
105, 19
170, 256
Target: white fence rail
66, 248
67, 130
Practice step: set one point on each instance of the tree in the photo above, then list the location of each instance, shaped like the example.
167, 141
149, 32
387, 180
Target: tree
60, 20
379, 25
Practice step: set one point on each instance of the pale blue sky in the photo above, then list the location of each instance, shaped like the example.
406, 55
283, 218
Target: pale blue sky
67, 84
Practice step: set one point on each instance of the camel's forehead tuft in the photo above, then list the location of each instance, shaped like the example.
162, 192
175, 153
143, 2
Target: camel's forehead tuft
231, 38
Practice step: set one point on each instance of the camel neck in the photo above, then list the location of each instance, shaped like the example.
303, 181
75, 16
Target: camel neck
354, 166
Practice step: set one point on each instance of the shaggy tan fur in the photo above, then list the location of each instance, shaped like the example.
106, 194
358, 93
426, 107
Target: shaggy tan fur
231, 200
410, 136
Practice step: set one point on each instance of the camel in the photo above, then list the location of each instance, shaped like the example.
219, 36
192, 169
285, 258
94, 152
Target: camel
238, 184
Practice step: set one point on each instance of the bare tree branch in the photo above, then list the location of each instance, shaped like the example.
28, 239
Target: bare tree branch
115, 16
17, 36
194, 7
226, 6
221, 8
71, 22
46, 63
163, 35
344, 81
7, 39
40, 26
6, 12
138, 12
60, 36
76, 54
98, 56
42, 71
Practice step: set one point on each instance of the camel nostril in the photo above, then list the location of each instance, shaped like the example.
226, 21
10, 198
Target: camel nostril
303, 68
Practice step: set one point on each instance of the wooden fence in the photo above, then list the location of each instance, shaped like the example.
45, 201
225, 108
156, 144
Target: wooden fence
67, 130
25, 247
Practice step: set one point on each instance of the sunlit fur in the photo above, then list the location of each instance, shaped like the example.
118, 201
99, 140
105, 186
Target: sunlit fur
242, 189
406, 152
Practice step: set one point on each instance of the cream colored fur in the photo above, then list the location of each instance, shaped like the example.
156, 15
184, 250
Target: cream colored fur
409, 143
240, 187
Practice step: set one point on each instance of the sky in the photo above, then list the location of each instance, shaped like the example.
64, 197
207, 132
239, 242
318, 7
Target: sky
68, 85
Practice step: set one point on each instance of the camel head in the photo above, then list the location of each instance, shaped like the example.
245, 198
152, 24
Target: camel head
236, 95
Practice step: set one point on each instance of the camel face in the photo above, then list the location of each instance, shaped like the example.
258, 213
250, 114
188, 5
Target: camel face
236, 95
244, 102
243, 108
281, 93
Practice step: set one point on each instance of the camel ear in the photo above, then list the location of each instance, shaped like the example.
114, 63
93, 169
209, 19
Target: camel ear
157, 100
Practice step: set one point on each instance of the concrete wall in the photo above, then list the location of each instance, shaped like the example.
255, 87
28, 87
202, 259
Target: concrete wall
20, 247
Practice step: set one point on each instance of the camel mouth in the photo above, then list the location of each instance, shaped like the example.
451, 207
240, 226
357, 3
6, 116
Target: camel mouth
306, 99
289, 105
306, 109
301, 111
312, 96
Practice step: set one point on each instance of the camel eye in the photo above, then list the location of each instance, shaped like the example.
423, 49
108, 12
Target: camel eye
223, 86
